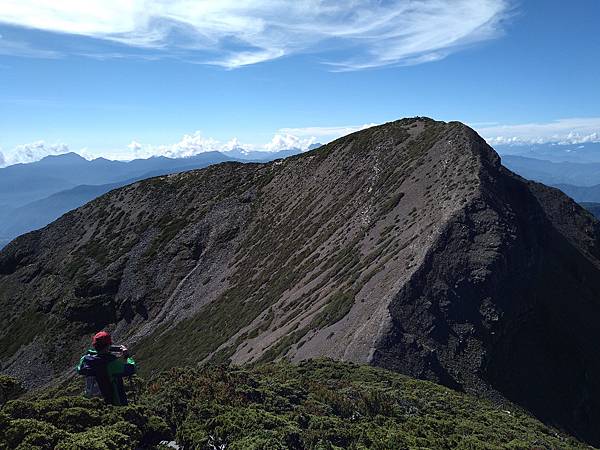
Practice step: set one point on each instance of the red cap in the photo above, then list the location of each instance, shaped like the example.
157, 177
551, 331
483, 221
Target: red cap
101, 340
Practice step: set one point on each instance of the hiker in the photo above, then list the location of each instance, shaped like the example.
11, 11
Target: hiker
105, 366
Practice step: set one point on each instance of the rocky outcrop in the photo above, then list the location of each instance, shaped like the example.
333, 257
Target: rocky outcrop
407, 246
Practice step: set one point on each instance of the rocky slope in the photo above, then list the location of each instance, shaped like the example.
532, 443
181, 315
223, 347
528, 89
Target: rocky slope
406, 246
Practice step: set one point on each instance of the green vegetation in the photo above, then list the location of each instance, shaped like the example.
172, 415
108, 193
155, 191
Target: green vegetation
391, 203
10, 389
98, 251
69, 423
318, 404
336, 309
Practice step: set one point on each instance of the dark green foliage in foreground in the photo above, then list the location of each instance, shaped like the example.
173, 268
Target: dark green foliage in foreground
315, 405
323, 404
70, 423
10, 388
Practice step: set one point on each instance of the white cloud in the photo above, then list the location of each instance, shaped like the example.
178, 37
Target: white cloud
561, 131
196, 143
189, 145
235, 144
234, 33
134, 146
35, 151
289, 141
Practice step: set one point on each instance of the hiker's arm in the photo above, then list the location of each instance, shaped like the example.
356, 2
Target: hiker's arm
129, 367
124, 367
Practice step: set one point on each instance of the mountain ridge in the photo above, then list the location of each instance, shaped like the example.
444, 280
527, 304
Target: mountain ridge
407, 246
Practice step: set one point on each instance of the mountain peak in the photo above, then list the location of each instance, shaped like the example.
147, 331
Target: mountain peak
70, 157
406, 246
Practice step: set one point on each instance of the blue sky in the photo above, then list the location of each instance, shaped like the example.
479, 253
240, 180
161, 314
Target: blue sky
134, 78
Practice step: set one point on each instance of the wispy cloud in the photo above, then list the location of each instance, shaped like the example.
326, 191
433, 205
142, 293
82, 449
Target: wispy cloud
561, 131
20, 48
235, 33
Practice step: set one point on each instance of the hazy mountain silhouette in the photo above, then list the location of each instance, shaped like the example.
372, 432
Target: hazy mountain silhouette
588, 152
582, 194
554, 173
594, 208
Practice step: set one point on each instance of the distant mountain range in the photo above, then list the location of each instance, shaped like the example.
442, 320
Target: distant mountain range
594, 208
574, 169
554, 173
39, 213
33, 195
263, 156
578, 153
23, 183
580, 181
581, 194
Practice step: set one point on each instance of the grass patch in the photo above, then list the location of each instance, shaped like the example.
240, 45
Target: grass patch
337, 308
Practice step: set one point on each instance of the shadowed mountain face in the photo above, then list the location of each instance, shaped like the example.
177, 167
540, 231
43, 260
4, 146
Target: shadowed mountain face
406, 246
